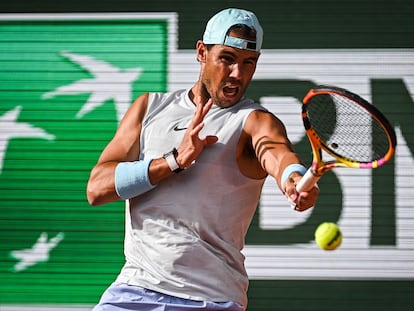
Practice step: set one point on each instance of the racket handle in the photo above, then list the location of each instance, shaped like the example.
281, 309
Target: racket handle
308, 181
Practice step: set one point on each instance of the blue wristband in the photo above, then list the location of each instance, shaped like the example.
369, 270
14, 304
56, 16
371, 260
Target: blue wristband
291, 169
132, 179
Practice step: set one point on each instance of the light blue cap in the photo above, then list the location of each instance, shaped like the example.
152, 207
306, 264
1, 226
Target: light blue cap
218, 26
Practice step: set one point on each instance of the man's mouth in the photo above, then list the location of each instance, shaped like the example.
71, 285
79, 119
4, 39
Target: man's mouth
230, 91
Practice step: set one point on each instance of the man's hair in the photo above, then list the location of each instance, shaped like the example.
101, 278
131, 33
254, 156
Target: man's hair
243, 31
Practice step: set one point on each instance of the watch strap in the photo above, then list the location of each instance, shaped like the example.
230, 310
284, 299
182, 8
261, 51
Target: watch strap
170, 157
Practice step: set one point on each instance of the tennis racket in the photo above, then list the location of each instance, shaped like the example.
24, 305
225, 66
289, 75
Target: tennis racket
347, 130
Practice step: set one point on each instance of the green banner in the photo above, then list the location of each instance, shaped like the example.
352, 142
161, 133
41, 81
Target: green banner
66, 81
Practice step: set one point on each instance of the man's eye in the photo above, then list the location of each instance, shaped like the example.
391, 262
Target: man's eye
227, 59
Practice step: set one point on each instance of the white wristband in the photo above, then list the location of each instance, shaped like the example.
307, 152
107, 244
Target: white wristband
172, 161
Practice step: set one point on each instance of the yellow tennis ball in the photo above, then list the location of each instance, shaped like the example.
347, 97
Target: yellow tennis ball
328, 236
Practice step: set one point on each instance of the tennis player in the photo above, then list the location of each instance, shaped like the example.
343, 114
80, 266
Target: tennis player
191, 165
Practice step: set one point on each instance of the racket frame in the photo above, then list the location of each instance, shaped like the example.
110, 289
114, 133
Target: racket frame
319, 166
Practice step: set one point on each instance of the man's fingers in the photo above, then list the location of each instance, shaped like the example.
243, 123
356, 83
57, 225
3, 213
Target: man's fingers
307, 199
210, 139
207, 107
201, 111
197, 128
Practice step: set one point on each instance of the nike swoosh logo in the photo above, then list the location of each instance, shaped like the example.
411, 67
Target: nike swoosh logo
176, 128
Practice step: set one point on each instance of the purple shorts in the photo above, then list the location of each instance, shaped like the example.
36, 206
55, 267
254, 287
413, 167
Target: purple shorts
123, 297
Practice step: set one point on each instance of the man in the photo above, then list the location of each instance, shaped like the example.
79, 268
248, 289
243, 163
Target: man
191, 165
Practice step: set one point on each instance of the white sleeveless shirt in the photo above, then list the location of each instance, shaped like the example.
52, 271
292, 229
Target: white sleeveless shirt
184, 237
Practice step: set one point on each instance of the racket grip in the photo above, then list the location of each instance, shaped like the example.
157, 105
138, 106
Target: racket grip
308, 181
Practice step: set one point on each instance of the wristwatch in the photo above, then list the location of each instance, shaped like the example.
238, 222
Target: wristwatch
171, 160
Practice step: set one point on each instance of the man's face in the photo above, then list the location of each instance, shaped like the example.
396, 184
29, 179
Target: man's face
226, 73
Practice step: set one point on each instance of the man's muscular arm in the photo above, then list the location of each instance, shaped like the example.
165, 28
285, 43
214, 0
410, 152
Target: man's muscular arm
275, 153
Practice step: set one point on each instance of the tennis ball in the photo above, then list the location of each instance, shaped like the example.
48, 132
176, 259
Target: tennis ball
328, 236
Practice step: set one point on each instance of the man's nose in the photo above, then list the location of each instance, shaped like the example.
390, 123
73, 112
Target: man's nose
236, 71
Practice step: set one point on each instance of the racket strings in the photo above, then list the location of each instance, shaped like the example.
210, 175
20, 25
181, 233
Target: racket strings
347, 128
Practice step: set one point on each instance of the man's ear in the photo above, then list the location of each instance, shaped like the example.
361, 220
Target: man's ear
201, 51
